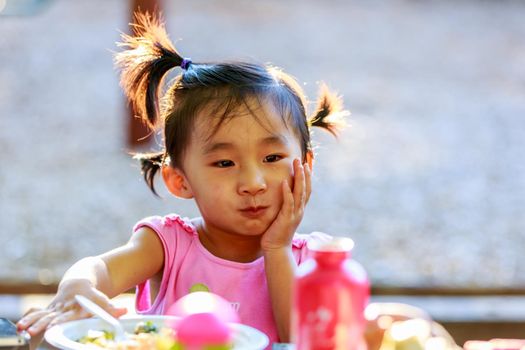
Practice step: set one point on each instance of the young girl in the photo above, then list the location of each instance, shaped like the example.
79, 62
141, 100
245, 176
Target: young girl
237, 141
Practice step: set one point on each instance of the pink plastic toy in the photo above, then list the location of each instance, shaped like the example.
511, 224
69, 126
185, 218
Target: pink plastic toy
199, 331
204, 302
204, 321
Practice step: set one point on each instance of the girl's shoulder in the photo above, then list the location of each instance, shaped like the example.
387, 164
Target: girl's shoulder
168, 225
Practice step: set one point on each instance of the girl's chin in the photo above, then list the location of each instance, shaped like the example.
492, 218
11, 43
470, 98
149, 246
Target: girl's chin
254, 231
253, 228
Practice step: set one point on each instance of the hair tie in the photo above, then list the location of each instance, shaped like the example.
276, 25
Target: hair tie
185, 63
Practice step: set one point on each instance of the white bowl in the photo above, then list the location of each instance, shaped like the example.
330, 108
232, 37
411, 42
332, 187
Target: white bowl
64, 336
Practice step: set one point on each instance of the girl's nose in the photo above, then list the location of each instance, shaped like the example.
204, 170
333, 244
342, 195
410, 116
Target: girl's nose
251, 181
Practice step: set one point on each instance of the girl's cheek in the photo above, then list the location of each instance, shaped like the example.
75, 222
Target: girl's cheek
282, 172
289, 174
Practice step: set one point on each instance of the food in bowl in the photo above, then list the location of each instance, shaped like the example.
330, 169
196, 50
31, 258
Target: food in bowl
65, 336
146, 336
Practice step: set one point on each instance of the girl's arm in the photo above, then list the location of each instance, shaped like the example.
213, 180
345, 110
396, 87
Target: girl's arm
280, 269
125, 267
100, 278
277, 247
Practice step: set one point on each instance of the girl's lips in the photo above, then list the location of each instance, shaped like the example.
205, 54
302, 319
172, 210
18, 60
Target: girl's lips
253, 212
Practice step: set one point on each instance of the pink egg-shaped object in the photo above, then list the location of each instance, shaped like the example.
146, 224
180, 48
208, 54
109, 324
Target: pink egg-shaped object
204, 329
204, 302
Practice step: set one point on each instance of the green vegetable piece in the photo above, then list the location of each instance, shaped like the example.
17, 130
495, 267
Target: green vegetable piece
146, 327
109, 335
199, 287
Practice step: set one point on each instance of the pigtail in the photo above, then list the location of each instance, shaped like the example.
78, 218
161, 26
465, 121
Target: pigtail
148, 56
329, 113
150, 163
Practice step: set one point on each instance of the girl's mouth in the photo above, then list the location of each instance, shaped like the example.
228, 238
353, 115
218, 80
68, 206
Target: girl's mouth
253, 212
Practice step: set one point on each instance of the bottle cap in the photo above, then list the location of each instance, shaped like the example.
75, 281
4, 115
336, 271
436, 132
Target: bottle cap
336, 244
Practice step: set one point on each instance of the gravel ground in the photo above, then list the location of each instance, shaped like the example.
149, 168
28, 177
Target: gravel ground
429, 180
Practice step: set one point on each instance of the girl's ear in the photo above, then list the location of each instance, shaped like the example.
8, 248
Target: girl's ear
176, 182
310, 160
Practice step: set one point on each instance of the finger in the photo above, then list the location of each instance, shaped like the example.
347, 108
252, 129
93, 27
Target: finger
30, 318
70, 315
288, 201
104, 302
307, 181
299, 184
42, 323
118, 311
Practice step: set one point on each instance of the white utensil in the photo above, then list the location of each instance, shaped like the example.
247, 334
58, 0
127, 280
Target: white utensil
96, 310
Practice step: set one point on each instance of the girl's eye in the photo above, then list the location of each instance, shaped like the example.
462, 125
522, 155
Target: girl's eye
223, 163
272, 158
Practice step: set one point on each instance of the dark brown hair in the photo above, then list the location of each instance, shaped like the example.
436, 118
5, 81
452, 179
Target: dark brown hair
224, 86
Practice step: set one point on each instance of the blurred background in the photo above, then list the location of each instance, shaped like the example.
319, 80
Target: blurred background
429, 179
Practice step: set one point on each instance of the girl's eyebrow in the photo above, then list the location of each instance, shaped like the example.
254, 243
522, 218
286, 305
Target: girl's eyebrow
211, 147
275, 140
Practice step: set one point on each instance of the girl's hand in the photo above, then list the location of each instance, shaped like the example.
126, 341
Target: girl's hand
64, 307
281, 231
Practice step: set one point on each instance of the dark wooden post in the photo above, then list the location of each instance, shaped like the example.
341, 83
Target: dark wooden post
139, 135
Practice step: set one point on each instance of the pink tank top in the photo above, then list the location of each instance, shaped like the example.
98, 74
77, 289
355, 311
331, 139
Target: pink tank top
188, 267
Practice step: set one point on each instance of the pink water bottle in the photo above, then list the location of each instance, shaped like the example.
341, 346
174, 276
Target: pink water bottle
330, 295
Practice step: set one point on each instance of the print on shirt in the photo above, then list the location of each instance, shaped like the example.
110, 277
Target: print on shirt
199, 287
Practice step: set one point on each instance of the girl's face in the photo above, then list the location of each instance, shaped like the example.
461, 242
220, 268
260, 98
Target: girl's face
236, 175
